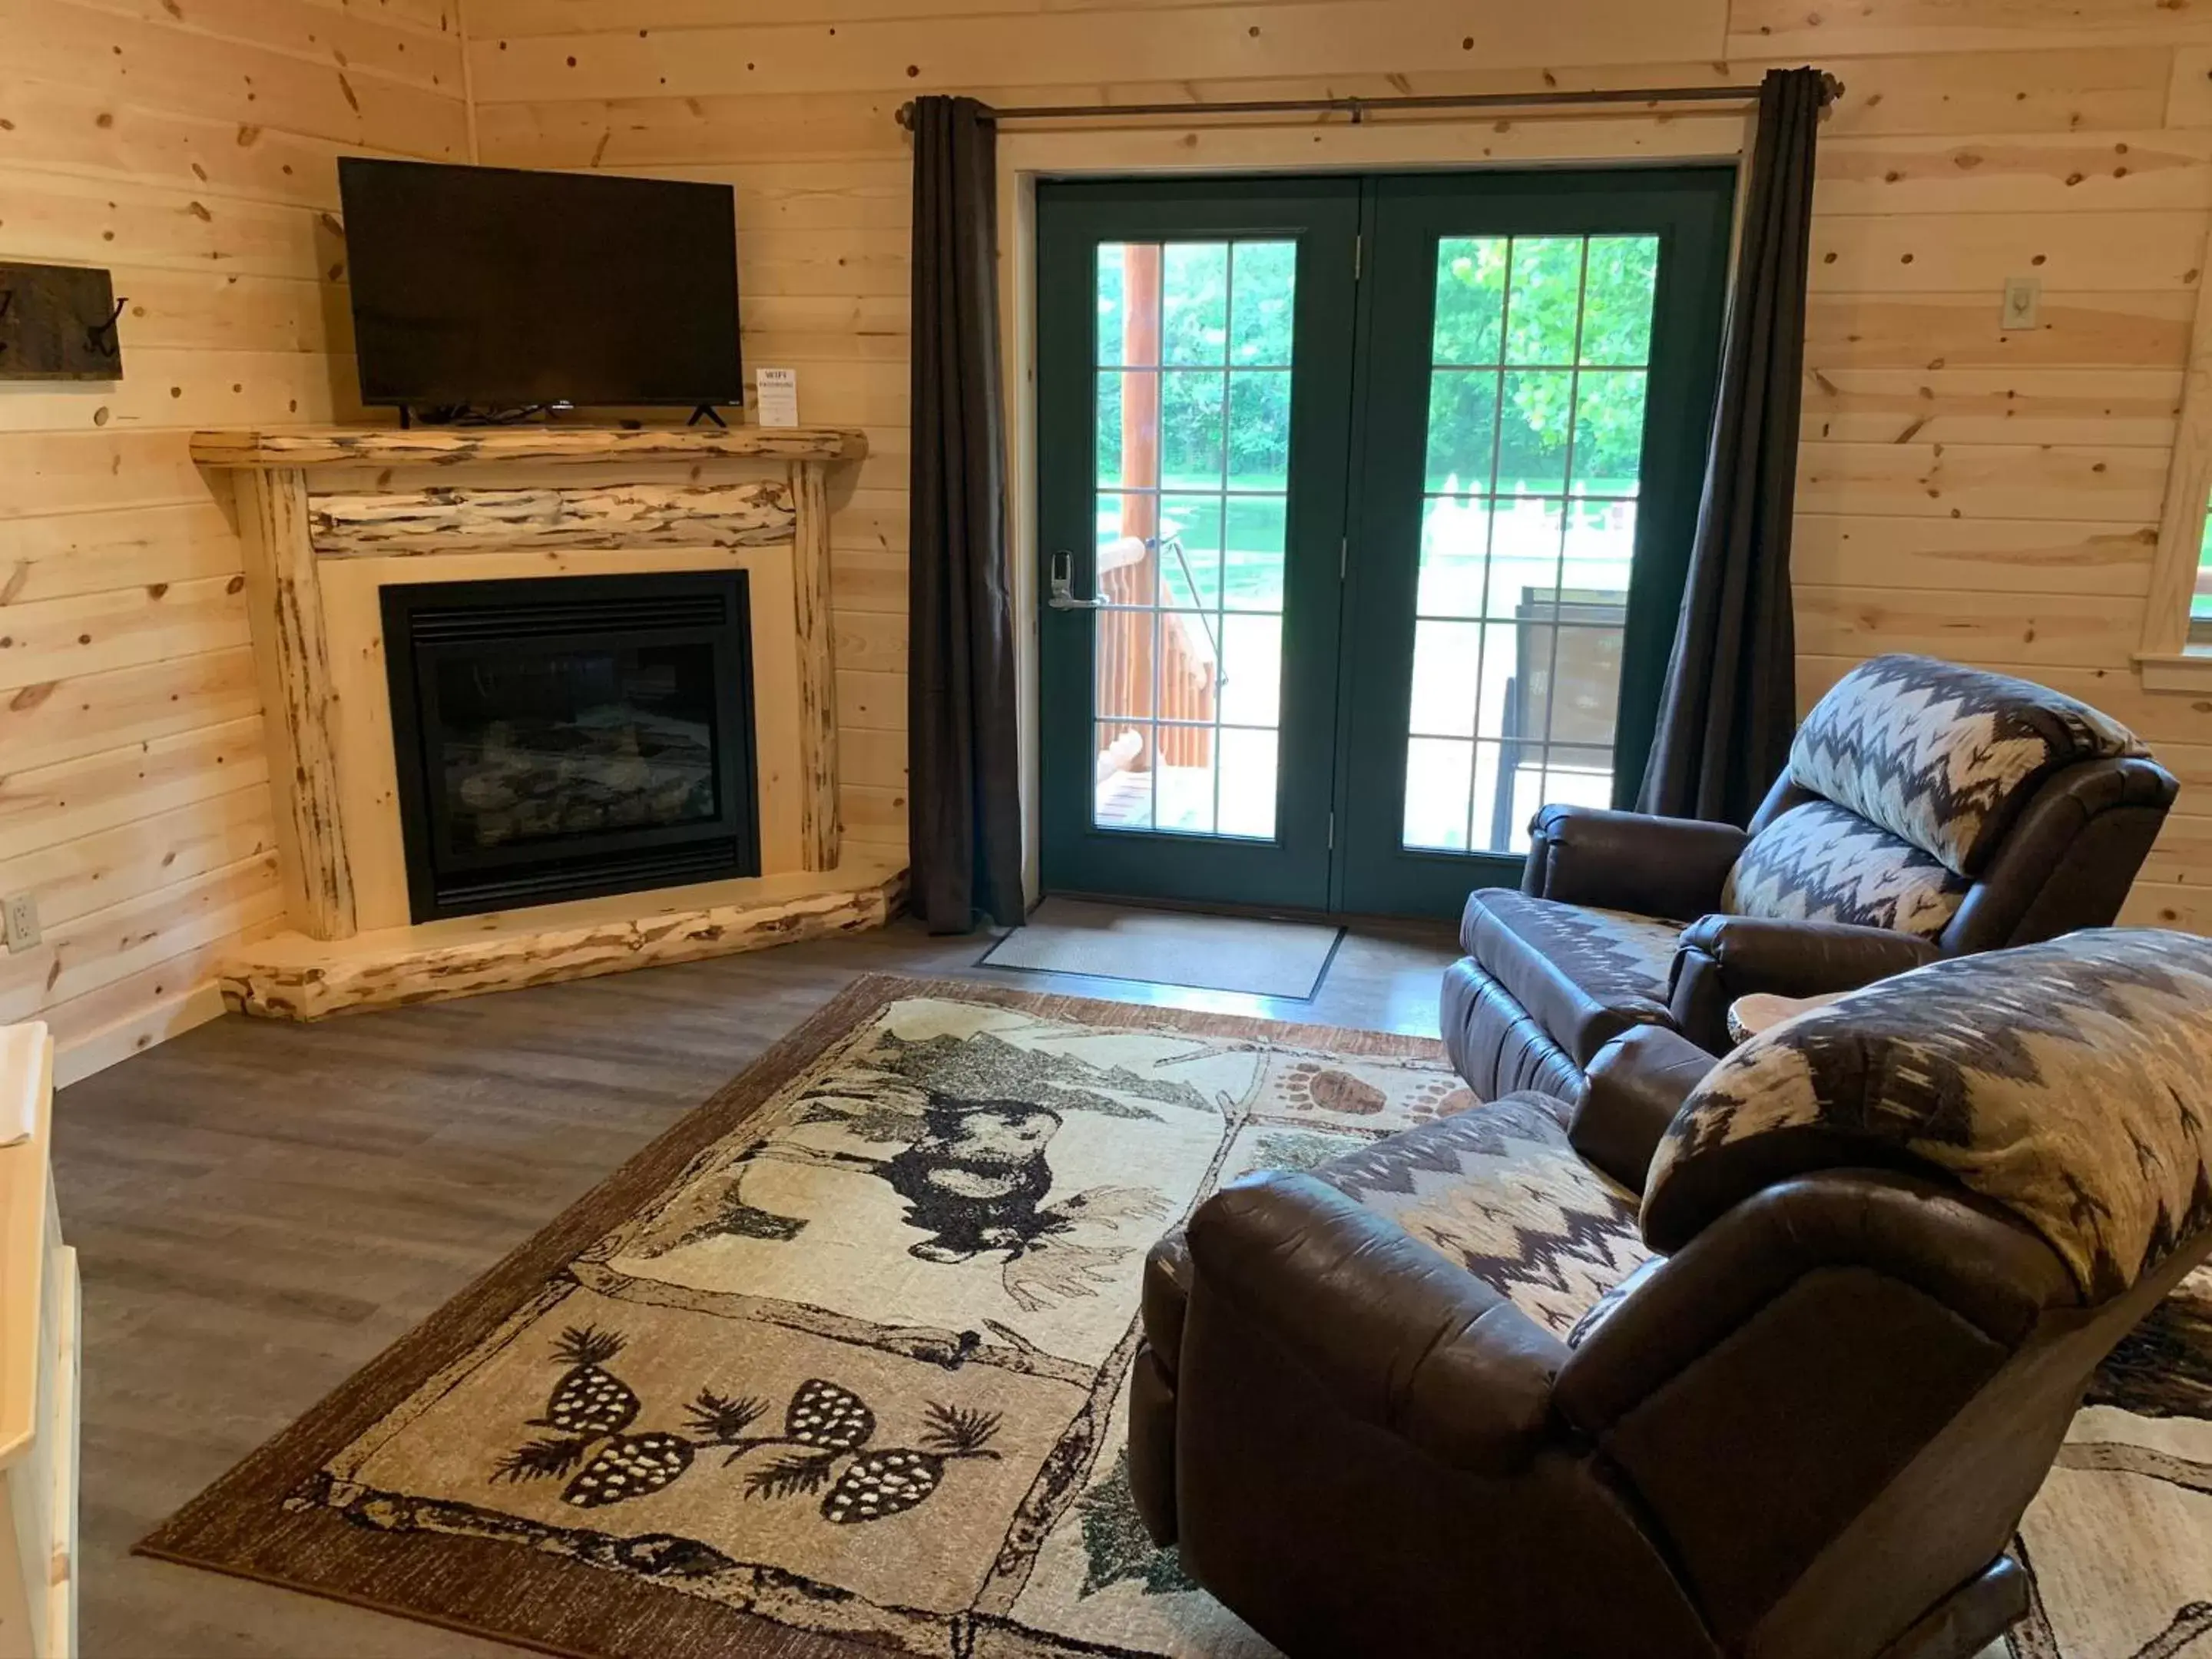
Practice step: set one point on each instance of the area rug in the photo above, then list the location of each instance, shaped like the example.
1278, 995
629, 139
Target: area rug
2118, 1543
836, 1360
836, 1366
1258, 957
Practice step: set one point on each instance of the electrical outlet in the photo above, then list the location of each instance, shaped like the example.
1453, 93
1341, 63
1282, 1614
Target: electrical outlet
2023, 299
23, 920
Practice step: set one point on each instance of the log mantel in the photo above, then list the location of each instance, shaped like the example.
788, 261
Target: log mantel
252, 448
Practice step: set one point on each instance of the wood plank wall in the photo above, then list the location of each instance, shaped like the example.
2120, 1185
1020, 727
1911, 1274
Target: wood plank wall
1985, 495
189, 145
1992, 496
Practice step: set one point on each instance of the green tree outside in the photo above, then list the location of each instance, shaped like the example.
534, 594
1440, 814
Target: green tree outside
1537, 342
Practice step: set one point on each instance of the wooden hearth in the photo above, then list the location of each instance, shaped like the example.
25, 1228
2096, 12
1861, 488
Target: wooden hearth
328, 515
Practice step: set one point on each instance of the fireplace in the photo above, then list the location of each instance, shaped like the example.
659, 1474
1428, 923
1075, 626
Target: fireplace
564, 737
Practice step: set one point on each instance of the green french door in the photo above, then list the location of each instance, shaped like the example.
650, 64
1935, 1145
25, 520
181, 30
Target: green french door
1363, 510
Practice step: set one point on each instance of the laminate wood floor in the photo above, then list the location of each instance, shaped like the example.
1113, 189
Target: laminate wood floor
260, 1208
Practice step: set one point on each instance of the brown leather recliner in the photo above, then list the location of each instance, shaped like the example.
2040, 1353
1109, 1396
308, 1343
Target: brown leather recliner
1461, 1393
1928, 811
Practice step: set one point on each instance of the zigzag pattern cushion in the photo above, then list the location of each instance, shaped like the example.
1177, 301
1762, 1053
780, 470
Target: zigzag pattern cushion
1499, 1191
1820, 863
2069, 1082
1941, 754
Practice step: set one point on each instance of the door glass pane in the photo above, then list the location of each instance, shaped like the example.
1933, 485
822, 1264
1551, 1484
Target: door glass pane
1455, 555
1543, 300
1528, 530
1126, 575
1437, 792
1264, 282
1532, 432
1188, 555
2200, 597
1248, 756
1609, 431
1447, 678
1470, 298
1192, 486
1194, 303
1623, 275
1251, 671
1253, 538
1260, 430
1462, 428
1192, 427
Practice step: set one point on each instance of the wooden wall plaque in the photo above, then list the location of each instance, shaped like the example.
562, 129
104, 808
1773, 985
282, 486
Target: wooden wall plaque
58, 323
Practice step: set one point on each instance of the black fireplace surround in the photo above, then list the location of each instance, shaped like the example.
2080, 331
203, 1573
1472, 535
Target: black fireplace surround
562, 737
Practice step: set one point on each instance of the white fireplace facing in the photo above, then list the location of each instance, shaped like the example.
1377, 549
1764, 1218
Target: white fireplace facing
361, 717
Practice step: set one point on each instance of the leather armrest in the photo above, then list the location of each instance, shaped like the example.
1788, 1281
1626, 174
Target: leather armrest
1398, 1337
1631, 861
1635, 1086
1980, 1264
1723, 957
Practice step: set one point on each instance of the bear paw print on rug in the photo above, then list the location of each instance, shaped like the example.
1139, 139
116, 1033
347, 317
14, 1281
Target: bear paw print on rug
1314, 1086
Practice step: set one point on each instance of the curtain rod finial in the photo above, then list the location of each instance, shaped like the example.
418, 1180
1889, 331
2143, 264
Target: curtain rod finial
1830, 88
906, 115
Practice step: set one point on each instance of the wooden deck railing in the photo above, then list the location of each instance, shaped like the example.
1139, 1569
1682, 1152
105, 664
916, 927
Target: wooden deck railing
1129, 569
1129, 574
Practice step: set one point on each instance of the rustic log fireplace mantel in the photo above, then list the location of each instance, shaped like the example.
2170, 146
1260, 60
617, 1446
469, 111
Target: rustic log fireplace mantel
330, 516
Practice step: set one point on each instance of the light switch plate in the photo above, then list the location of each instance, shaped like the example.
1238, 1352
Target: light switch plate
23, 920
2023, 301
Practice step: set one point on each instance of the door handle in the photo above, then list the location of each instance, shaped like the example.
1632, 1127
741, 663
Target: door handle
1062, 594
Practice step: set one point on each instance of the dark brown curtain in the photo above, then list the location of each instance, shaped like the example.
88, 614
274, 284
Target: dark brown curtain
1730, 704
964, 820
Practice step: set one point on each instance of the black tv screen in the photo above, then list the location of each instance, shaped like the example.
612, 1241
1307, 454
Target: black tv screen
496, 288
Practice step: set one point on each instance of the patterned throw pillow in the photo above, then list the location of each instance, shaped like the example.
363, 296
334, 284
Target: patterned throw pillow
2069, 1082
1944, 756
1820, 863
1499, 1191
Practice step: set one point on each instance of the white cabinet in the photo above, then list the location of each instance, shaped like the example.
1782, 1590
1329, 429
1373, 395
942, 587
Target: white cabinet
38, 1351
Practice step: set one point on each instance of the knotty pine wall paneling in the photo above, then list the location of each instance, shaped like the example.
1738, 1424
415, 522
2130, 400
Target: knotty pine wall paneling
1989, 495
189, 145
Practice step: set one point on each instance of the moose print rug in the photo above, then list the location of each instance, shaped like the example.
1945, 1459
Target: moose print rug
835, 1366
837, 1360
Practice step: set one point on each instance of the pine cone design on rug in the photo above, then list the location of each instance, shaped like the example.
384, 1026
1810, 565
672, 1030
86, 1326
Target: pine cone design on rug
823, 1419
887, 1483
826, 1423
590, 1405
629, 1465
588, 1400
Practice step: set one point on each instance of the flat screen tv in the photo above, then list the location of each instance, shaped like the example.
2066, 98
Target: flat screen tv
494, 288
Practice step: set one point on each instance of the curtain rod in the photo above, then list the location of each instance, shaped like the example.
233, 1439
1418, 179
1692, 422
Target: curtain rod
1359, 108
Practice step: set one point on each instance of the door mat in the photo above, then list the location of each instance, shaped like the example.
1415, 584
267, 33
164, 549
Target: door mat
1286, 959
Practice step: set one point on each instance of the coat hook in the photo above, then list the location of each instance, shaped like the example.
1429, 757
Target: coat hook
111, 345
